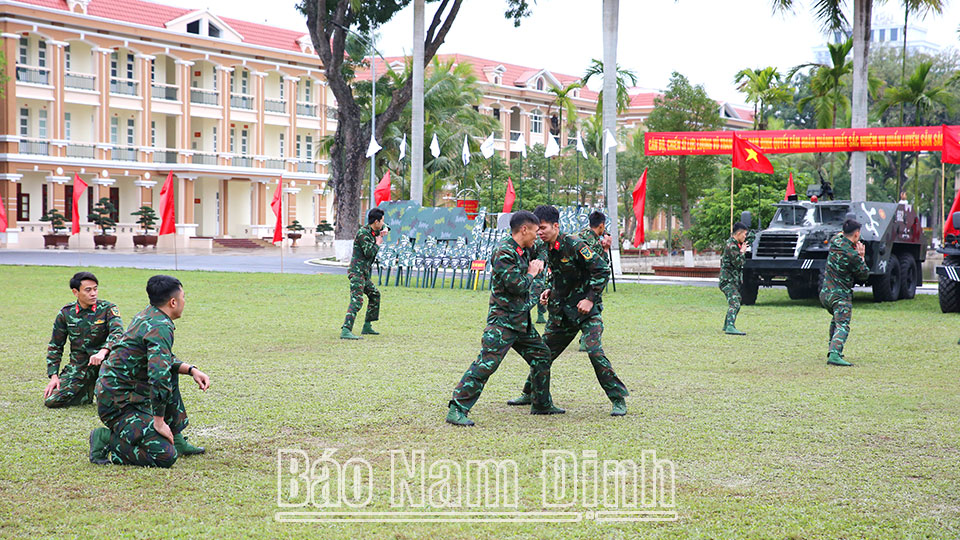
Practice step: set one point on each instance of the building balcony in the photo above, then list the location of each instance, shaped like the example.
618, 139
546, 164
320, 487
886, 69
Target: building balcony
241, 161
306, 109
81, 81
165, 156
203, 158
33, 75
275, 106
166, 92
81, 150
273, 164
307, 166
241, 101
202, 96
38, 147
119, 153
124, 87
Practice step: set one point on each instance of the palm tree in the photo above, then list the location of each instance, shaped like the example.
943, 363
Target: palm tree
612, 82
595, 69
764, 87
416, 134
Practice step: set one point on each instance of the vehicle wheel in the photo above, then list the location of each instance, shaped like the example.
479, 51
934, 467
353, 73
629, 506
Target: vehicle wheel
749, 289
949, 290
886, 287
799, 290
909, 276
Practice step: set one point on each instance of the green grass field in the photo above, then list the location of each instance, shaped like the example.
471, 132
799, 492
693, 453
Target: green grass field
767, 440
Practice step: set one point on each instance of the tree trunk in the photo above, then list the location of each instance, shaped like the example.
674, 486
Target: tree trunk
348, 162
416, 147
684, 201
862, 10
611, 15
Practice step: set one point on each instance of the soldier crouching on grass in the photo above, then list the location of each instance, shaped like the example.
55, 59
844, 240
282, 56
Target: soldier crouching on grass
514, 268
92, 325
845, 266
138, 393
365, 248
731, 275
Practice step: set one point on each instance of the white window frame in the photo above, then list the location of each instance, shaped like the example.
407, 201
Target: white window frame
245, 83
283, 137
41, 53
298, 147
131, 74
42, 123
308, 140
536, 122
24, 122
25, 51
114, 65
244, 140
307, 91
67, 128
233, 140
282, 84
114, 130
153, 133
131, 132
67, 58
215, 138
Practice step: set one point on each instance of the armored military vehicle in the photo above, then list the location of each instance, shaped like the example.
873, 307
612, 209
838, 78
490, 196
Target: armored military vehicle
948, 275
793, 249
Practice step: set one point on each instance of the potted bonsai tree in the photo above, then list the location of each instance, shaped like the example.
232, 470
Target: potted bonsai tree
57, 238
296, 231
101, 215
147, 219
322, 229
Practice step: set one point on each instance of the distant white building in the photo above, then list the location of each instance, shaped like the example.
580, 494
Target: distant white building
885, 32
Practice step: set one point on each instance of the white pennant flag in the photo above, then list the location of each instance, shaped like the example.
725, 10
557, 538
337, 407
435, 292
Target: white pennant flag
435, 146
580, 147
465, 154
373, 148
553, 149
608, 141
487, 147
520, 145
403, 147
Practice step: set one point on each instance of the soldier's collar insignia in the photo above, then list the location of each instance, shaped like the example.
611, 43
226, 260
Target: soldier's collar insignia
556, 245
519, 250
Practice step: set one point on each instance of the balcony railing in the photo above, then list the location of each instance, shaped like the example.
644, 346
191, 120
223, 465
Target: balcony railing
202, 96
273, 164
123, 154
83, 81
125, 87
164, 156
204, 159
166, 92
307, 166
275, 106
81, 150
241, 161
39, 147
306, 109
240, 101
31, 74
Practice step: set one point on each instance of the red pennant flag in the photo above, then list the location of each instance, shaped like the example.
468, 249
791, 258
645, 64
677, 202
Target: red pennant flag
3, 217
639, 202
78, 187
948, 227
168, 221
509, 197
382, 191
951, 145
790, 189
748, 157
277, 206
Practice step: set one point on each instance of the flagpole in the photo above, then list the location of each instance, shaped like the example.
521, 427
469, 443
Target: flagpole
578, 178
520, 186
549, 191
176, 261
731, 197
282, 197
943, 194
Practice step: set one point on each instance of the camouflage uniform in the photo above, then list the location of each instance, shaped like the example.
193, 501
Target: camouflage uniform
538, 251
508, 326
844, 267
731, 277
139, 380
89, 330
576, 272
364, 253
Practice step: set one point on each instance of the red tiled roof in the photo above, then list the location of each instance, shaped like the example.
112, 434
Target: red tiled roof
643, 99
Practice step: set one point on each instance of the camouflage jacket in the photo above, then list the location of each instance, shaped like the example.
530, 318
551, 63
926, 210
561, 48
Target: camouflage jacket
592, 239
538, 251
576, 272
731, 263
138, 371
510, 286
844, 267
365, 250
89, 330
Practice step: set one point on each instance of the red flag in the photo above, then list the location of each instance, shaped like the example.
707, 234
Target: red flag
168, 221
748, 157
948, 227
790, 189
382, 191
509, 197
277, 206
3, 217
78, 187
951, 145
639, 202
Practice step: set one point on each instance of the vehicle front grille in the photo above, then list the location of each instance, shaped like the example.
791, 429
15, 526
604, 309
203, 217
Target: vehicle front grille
777, 245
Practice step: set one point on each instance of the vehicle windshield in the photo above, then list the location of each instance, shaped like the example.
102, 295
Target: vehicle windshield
808, 215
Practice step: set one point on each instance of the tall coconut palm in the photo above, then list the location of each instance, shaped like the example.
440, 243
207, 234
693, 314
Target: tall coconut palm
764, 87
624, 76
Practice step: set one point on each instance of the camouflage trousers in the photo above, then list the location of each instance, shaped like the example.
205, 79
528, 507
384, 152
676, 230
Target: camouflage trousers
560, 331
76, 386
732, 292
494, 344
841, 307
359, 286
133, 439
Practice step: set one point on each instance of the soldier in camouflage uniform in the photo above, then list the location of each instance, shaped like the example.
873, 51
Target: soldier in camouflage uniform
365, 247
597, 238
731, 275
138, 395
92, 326
577, 278
538, 252
845, 266
509, 325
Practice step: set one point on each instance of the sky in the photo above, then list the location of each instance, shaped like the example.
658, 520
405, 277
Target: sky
708, 41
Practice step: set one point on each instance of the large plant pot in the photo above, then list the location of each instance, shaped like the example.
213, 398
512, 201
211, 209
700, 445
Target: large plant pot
294, 237
55, 240
144, 240
105, 241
